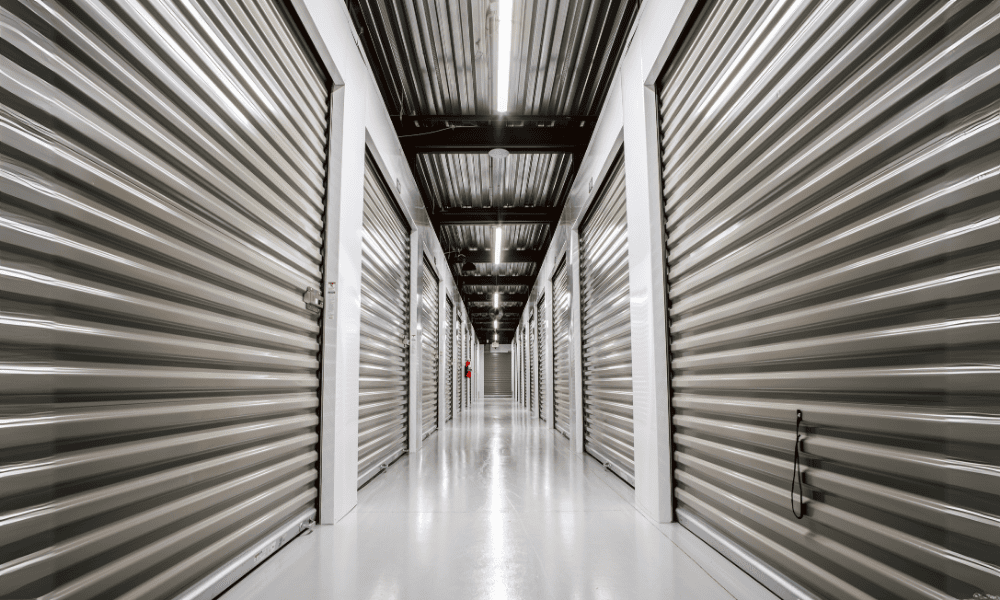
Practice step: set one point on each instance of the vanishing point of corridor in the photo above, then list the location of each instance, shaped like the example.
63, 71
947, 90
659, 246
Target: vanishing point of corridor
497, 506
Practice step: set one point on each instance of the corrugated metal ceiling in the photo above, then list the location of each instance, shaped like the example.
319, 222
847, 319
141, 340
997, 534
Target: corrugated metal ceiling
436, 59
464, 180
480, 237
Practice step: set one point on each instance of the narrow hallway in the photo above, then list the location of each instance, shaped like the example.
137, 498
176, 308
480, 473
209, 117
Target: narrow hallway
496, 505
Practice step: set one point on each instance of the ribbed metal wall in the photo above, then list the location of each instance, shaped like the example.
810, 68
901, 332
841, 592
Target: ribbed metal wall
560, 348
449, 367
385, 329
540, 355
606, 329
529, 355
162, 211
496, 371
466, 381
459, 365
429, 350
469, 337
525, 370
831, 201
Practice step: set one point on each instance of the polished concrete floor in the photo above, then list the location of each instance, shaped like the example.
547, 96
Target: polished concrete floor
497, 506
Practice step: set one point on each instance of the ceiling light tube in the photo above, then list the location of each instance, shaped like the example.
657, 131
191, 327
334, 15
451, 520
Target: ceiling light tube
496, 299
494, 324
505, 22
497, 245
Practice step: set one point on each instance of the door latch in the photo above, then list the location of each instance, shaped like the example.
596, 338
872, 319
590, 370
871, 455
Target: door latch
313, 298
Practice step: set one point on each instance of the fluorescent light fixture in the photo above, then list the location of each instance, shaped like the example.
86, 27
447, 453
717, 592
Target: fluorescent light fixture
497, 245
494, 324
506, 15
496, 299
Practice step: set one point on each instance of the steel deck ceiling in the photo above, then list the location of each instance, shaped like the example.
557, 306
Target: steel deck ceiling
434, 63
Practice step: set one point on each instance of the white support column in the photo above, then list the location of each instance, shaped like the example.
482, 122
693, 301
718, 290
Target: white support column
650, 377
338, 477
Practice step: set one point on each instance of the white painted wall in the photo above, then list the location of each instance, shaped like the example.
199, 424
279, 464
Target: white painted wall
358, 120
628, 120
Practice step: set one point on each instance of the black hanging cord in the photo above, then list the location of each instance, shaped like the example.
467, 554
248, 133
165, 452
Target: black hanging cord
797, 469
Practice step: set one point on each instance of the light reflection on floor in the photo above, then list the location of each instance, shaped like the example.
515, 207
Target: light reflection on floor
496, 507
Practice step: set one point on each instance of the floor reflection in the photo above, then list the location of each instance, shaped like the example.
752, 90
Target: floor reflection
496, 506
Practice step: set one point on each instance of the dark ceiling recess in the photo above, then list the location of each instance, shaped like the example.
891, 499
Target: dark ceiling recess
434, 63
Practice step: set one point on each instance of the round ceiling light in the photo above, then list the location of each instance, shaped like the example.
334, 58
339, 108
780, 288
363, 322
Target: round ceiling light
499, 153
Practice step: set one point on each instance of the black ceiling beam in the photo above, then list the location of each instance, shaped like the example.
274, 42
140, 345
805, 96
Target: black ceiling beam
484, 307
486, 256
417, 121
503, 297
493, 216
480, 140
494, 280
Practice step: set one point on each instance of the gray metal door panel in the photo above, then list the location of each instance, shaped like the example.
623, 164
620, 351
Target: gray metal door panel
449, 369
430, 350
159, 402
460, 368
525, 375
496, 371
469, 334
831, 197
540, 355
384, 353
606, 329
529, 347
521, 370
560, 348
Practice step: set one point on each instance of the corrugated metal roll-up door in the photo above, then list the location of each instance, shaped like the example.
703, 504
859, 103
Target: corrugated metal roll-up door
515, 358
606, 328
525, 371
449, 361
469, 334
385, 329
560, 348
519, 381
540, 355
162, 212
497, 374
831, 201
466, 381
529, 347
525, 377
430, 350
460, 366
